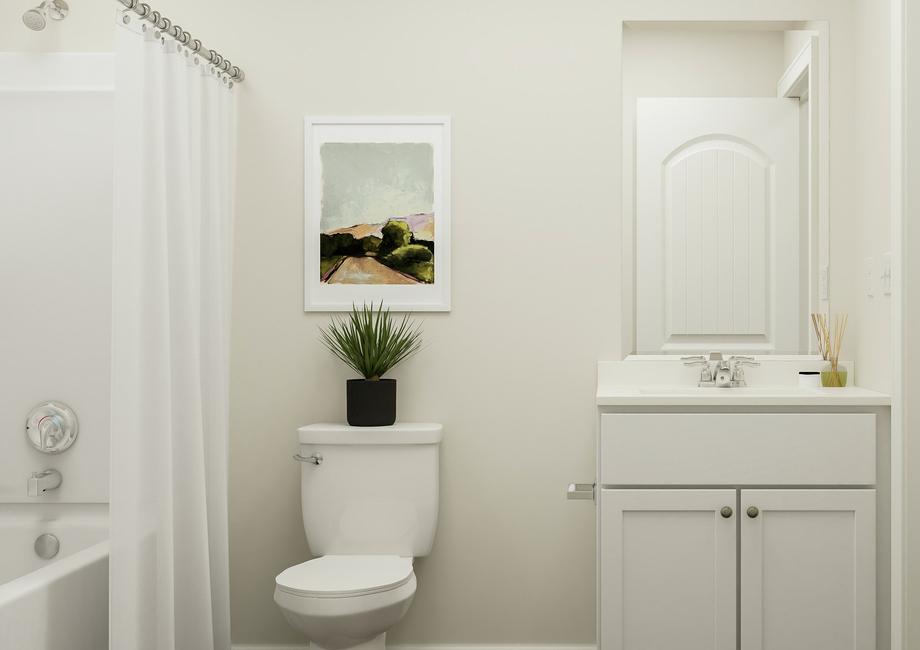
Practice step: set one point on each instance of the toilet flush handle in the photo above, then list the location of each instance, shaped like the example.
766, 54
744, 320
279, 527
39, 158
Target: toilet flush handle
313, 459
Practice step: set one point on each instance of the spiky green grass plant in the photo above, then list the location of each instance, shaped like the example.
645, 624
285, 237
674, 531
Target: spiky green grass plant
371, 341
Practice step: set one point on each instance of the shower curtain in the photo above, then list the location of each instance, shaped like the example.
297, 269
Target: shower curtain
174, 172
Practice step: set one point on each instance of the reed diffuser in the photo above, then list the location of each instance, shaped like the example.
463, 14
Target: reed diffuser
830, 339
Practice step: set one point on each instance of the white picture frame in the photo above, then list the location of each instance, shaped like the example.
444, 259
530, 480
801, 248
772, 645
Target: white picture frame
321, 292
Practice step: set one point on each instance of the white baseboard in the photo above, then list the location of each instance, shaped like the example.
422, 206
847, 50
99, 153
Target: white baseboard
439, 646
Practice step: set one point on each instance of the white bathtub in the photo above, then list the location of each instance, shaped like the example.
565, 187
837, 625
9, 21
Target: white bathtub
61, 603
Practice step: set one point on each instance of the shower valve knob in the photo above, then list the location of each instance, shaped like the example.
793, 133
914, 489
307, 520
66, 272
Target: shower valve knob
52, 427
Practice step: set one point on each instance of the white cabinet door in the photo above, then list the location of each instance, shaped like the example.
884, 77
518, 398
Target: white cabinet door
807, 569
668, 574
719, 253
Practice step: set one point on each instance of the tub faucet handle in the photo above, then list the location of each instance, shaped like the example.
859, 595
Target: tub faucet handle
41, 482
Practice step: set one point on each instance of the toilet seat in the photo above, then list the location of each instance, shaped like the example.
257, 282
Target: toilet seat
345, 576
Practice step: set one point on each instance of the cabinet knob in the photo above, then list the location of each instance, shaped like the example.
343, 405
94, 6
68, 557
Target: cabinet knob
726, 512
752, 512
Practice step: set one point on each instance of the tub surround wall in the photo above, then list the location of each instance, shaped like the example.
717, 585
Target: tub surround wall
55, 259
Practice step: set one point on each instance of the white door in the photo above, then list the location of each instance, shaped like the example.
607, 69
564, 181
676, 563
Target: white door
668, 576
808, 570
718, 245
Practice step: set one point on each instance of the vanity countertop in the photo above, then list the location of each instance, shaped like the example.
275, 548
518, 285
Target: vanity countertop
750, 396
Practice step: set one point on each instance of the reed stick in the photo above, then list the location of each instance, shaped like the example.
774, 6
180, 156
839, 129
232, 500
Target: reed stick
830, 340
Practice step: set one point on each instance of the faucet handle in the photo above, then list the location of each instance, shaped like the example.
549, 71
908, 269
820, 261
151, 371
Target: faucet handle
742, 360
695, 360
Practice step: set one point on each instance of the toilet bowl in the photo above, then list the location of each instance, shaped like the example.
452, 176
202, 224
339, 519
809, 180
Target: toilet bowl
369, 498
346, 601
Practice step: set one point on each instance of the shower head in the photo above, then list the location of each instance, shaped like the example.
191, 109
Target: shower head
37, 18
34, 19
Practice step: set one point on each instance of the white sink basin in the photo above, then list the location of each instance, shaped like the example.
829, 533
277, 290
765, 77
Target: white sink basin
696, 391
748, 396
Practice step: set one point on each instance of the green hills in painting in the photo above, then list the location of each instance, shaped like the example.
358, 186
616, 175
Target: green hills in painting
398, 251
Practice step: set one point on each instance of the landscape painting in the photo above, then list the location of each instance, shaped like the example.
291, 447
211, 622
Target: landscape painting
377, 213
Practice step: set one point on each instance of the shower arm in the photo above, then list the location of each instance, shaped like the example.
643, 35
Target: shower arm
166, 26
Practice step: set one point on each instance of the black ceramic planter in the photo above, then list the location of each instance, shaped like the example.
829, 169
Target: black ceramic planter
371, 403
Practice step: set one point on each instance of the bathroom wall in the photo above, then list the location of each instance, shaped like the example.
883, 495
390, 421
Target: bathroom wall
793, 42
871, 233
534, 91
907, 17
55, 264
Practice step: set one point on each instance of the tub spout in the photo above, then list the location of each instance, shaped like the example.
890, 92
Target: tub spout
41, 482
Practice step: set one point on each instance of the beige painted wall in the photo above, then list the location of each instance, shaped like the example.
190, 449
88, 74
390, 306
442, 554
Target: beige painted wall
534, 96
534, 91
911, 309
872, 235
793, 42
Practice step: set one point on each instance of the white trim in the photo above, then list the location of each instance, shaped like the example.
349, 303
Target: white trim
801, 81
898, 327
790, 84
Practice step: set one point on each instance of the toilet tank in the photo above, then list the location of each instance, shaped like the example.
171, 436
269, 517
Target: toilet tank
374, 491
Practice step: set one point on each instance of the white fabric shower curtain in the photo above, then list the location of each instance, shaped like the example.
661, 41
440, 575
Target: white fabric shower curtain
174, 172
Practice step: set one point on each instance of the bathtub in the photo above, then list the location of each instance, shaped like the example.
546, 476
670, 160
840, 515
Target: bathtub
60, 603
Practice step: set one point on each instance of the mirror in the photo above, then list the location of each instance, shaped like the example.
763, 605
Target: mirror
723, 137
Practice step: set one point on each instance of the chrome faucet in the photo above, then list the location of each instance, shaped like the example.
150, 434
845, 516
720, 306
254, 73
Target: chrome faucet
720, 372
41, 482
710, 367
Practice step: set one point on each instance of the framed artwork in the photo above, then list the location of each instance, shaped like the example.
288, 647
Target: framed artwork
377, 212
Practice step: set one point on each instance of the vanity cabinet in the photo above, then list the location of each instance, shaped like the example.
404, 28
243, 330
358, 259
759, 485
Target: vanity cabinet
720, 531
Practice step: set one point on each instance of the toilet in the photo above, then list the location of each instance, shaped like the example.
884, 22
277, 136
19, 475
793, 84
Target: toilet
369, 497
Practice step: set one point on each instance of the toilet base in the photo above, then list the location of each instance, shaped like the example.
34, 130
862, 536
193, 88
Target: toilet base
377, 643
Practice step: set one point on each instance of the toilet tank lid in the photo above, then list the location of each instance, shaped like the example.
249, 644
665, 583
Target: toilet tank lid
401, 433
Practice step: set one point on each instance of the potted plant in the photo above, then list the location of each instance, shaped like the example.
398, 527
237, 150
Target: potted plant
371, 342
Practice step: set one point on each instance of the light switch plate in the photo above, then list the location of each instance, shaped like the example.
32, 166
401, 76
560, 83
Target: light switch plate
884, 276
869, 276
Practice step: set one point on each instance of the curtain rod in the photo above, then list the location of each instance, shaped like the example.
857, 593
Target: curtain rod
165, 25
